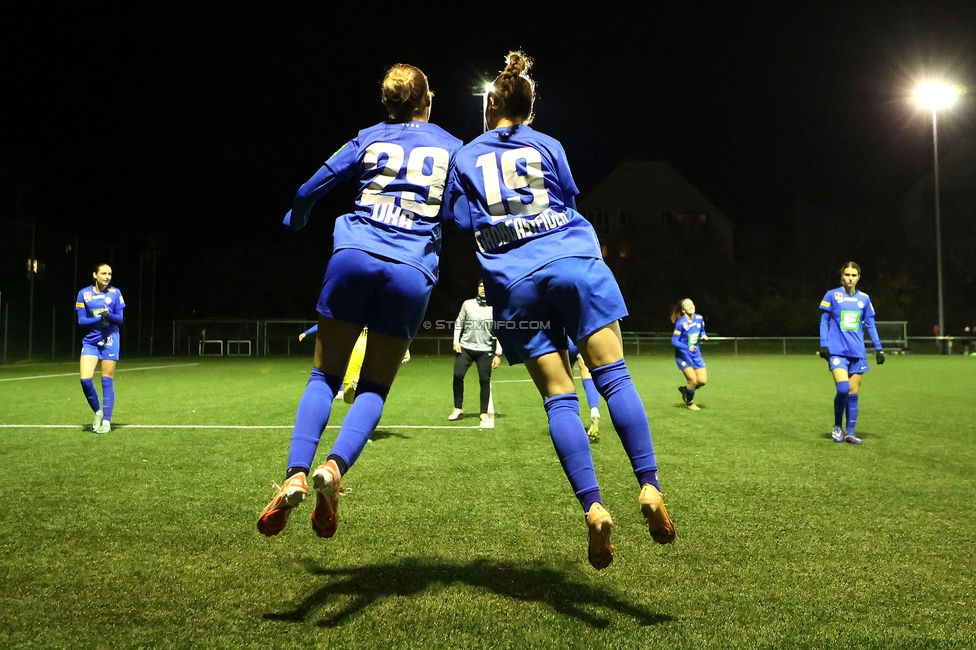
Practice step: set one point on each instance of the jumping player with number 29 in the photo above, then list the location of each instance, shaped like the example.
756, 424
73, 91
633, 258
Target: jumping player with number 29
383, 268
846, 311
541, 263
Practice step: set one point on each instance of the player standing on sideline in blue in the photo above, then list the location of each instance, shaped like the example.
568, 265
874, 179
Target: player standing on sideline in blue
592, 394
846, 311
100, 308
382, 271
541, 262
311, 330
689, 329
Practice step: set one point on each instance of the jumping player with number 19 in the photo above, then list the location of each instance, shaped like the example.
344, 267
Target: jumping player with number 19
541, 262
100, 307
381, 273
846, 311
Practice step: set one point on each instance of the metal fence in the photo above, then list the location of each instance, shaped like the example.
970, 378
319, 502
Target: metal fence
265, 338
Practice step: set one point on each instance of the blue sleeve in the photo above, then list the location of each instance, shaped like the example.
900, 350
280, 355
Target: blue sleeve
456, 208
311, 330
824, 328
338, 168
569, 189
677, 342
86, 321
114, 312
869, 324
314, 188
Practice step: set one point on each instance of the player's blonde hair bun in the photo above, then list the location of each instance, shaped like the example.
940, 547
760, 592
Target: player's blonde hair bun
404, 91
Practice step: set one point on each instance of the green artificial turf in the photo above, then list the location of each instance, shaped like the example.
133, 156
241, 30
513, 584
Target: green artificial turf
461, 537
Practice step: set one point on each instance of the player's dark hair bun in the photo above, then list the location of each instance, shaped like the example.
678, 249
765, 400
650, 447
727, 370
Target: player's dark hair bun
514, 90
516, 64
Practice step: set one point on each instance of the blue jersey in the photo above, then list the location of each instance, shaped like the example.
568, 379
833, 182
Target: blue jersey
687, 331
402, 170
91, 304
842, 323
513, 189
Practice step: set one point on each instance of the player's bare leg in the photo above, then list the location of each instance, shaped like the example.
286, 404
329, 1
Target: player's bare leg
551, 375
381, 363
603, 353
86, 366
689, 389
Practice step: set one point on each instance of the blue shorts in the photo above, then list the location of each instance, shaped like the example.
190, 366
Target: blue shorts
365, 289
573, 297
686, 359
573, 353
853, 365
106, 350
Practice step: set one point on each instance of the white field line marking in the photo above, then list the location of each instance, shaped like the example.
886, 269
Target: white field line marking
519, 381
381, 427
73, 374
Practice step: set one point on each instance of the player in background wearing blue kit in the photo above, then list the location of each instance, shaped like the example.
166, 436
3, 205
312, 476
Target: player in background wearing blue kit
381, 273
100, 308
846, 311
541, 263
689, 329
311, 330
592, 394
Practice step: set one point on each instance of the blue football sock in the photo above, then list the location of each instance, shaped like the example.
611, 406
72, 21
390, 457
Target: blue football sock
108, 397
573, 447
629, 418
314, 410
360, 421
852, 408
690, 396
88, 386
592, 394
840, 401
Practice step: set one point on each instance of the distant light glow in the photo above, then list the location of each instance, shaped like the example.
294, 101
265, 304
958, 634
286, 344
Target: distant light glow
489, 86
936, 95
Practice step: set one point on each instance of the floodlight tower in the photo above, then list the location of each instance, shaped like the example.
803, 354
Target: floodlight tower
935, 96
484, 105
481, 90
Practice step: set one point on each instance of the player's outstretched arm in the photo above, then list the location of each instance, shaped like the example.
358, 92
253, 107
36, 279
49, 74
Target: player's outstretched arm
314, 188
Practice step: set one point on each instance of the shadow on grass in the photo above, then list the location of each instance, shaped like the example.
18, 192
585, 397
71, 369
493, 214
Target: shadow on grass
359, 587
379, 434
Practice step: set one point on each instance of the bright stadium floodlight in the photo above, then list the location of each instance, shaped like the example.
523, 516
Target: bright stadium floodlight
933, 96
936, 95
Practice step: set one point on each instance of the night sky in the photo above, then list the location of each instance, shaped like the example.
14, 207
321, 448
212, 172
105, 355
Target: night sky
188, 126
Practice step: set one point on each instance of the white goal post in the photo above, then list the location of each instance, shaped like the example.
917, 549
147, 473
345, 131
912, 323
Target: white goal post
239, 348
893, 334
